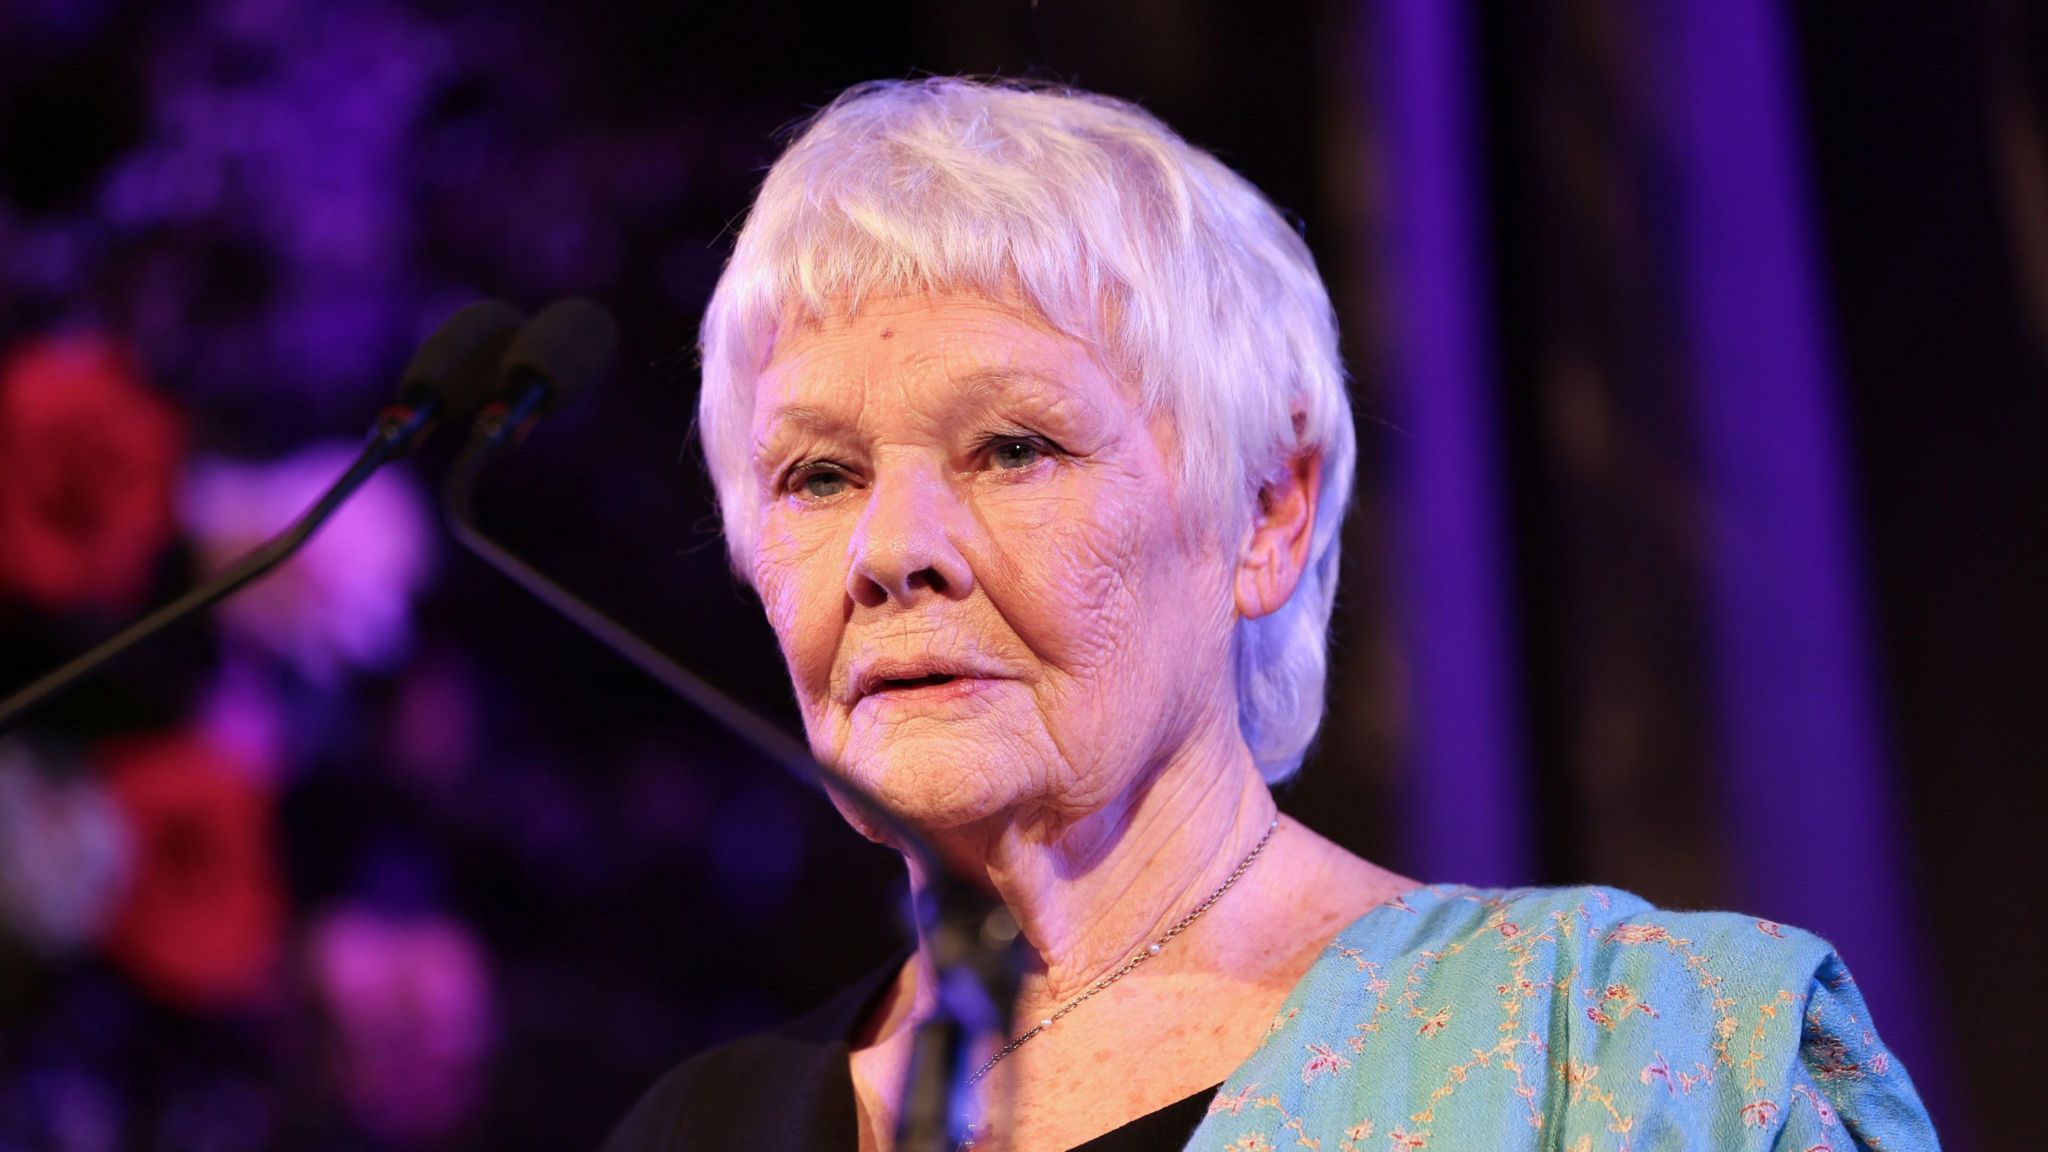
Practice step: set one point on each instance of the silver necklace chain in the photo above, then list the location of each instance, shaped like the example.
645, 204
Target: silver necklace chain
1151, 950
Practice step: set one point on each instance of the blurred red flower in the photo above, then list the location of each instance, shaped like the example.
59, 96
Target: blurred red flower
87, 490
202, 920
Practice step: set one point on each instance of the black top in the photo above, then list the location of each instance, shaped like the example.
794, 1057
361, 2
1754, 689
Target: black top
792, 1088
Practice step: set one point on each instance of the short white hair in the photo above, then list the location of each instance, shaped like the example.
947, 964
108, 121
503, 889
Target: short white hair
1122, 235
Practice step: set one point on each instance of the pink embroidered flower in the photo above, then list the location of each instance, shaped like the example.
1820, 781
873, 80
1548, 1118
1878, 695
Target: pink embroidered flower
1359, 1131
1822, 1110
1401, 1138
1658, 1070
1639, 934
1759, 1113
1436, 1022
1233, 1103
1771, 928
1832, 1060
1251, 1142
1323, 1061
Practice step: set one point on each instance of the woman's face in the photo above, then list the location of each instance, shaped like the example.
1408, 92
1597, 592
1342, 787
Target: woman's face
970, 550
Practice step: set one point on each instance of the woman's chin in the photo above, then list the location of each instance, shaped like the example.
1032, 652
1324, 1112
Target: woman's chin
934, 788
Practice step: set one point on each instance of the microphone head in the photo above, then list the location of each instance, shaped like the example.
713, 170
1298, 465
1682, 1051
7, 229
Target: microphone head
569, 345
457, 366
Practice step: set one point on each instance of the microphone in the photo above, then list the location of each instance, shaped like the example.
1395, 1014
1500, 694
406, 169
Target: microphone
554, 360
973, 937
451, 374
448, 376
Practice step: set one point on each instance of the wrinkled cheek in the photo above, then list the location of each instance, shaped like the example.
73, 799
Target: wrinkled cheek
778, 601
802, 620
1083, 575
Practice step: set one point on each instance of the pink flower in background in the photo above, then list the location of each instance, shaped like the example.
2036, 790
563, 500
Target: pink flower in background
201, 923
91, 460
241, 713
411, 1006
64, 854
345, 601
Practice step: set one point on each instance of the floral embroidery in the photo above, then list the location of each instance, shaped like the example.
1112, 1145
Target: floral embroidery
1831, 1059
1822, 1111
1639, 934
1281, 1020
1232, 1103
1322, 1061
1435, 1023
1607, 1020
1614, 1003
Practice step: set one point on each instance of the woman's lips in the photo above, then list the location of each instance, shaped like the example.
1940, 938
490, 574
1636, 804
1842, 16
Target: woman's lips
925, 692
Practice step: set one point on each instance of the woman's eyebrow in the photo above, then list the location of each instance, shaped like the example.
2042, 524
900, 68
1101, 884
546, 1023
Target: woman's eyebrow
995, 383
789, 420
978, 388
807, 417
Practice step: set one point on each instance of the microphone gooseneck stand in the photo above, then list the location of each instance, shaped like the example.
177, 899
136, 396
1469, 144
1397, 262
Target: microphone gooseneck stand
279, 548
447, 377
971, 936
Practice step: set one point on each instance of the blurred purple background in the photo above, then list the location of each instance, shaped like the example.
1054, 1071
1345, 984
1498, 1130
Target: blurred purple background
1701, 352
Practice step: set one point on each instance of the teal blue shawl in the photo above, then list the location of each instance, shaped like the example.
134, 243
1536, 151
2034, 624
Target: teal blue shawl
1576, 1019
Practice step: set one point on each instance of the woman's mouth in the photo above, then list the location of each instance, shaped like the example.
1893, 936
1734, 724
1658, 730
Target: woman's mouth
918, 693
915, 682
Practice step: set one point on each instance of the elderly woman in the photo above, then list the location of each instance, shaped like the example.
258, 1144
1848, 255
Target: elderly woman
1028, 426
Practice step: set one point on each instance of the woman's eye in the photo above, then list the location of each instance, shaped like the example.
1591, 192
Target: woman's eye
818, 484
1012, 454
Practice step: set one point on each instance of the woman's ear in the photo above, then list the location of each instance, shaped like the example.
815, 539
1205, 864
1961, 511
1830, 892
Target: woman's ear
1277, 549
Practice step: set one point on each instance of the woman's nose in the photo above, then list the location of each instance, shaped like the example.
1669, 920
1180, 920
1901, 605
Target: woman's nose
904, 544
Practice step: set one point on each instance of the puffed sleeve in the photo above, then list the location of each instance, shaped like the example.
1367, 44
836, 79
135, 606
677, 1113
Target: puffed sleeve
1844, 1090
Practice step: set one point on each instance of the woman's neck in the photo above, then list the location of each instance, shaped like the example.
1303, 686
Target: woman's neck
1092, 892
